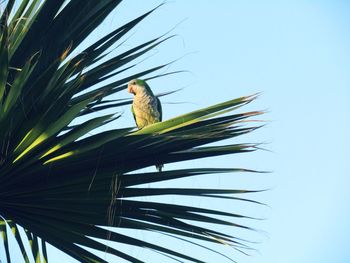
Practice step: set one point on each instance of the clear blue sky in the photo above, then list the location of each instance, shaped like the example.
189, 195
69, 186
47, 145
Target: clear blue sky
297, 53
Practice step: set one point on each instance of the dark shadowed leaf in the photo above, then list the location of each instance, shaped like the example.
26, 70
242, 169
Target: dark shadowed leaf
69, 183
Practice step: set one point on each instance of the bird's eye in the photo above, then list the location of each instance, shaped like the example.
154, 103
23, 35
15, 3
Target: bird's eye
133, 83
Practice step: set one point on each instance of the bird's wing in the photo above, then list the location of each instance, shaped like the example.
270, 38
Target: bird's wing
159, 108
148, 89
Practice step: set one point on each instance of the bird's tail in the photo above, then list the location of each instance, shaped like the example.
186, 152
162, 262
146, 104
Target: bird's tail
159, 167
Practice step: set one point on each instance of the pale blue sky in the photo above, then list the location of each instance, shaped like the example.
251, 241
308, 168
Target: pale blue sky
297, 53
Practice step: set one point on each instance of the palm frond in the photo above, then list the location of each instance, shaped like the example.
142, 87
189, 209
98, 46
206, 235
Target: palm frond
63, 185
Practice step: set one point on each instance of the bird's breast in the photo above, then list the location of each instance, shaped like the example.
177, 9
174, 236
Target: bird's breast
145, 110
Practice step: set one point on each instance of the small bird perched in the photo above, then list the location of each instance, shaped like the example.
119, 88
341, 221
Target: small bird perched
146, 107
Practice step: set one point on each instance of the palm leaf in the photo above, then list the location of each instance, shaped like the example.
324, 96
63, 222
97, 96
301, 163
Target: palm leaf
62, 184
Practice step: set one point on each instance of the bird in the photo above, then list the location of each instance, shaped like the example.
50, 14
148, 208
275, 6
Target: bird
146, 107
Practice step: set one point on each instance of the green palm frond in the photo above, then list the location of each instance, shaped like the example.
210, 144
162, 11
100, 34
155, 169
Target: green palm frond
63, 185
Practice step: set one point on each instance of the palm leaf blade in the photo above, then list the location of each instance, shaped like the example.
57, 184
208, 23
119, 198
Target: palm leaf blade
65, 182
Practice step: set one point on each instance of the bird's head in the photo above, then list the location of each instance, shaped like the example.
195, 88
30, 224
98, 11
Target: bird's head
136, 85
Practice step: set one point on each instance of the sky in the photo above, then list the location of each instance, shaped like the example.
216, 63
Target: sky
296, 54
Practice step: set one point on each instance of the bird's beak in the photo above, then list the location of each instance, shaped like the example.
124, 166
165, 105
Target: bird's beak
130, 90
